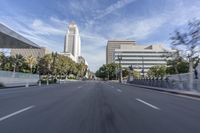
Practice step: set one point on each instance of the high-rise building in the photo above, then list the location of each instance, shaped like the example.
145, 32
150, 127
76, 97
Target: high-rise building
114, 44
72, 43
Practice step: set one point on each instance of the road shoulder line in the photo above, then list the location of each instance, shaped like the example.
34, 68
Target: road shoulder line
15, 113
148, 104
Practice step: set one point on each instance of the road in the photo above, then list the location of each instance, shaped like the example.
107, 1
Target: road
96, 107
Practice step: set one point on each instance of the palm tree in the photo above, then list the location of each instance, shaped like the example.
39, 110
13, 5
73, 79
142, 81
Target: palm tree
31, 61
17, 61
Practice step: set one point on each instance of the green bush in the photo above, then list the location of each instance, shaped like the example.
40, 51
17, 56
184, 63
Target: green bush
44, 81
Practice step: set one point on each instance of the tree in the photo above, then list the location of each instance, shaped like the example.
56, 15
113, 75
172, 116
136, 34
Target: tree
188, 42
6, 63
125, 72
31, 61
17, 62
136, 74
107, 71
172, 61
157, 71
111, 70
61, 65
82, 69
161, 71
45, 64
177, 67
102, 72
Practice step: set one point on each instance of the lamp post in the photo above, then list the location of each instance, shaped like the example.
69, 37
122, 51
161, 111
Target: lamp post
120, 68
142, 66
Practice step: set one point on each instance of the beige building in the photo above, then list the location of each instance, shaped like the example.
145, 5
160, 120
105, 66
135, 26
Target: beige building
40, 52
141, 57
115, 44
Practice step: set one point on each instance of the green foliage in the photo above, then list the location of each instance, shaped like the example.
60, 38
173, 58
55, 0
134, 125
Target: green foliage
136, 74
108, 71
31, 62
53, 65
157, 71
125, 72
177, 66
60, 65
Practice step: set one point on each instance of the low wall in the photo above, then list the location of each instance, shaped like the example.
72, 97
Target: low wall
9, 79
168, 84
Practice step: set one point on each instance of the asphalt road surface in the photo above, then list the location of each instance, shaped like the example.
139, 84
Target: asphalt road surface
96, 107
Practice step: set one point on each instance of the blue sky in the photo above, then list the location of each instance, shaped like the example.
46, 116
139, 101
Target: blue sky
146, 21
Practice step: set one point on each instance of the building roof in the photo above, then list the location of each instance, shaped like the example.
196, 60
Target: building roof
154, 47
11, 39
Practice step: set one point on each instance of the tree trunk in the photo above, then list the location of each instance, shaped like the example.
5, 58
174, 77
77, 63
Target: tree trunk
31, 67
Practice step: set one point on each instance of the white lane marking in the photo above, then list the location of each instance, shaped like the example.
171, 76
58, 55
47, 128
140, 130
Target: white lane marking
119, 90
80, 87
15, 113
148, 104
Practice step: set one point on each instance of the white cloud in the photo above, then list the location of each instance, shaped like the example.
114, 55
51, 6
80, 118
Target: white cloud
118, 5
132, 28
59, 22
182, 12
40, 27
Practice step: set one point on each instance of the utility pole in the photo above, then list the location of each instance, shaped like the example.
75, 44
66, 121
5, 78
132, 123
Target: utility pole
120, 68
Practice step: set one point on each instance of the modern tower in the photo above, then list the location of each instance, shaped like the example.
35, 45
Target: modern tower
72, 43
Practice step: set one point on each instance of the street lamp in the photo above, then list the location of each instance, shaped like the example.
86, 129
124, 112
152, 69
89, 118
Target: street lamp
120, 59
142, 66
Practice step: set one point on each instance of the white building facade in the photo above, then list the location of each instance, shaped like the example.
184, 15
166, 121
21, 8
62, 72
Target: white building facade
72, 42
141, 57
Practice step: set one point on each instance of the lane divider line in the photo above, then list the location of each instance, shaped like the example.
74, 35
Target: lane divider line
148, 104
15, 113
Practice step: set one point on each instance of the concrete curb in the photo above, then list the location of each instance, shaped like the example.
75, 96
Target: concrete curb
185, 93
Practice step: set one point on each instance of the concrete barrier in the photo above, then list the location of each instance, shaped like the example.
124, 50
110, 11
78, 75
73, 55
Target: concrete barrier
10, 79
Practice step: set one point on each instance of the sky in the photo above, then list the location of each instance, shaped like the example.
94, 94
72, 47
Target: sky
45, 22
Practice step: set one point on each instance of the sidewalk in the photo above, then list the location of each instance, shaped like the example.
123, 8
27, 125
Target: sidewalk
180, 92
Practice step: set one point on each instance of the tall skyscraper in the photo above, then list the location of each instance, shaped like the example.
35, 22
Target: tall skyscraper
72, 43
